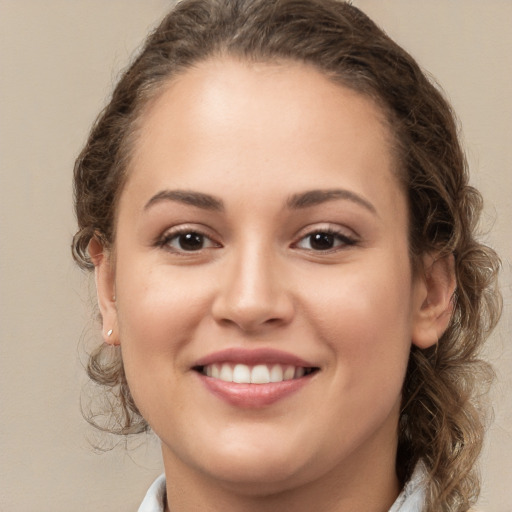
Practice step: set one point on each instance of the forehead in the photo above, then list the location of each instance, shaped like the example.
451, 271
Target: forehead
226, 119
225, 85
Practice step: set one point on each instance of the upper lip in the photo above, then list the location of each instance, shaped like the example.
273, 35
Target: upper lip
253, 357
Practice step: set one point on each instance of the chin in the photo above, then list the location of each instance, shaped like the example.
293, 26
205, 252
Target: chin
252, 464
258, 476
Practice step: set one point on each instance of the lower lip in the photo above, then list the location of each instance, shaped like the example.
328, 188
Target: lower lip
252, 396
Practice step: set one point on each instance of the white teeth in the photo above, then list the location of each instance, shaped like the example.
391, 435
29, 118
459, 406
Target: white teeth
258, 374
226, 373
276, 373
289, 373
242, 374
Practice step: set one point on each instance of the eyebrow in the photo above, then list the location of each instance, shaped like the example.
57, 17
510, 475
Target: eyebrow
294, 202
316, 197
197, 199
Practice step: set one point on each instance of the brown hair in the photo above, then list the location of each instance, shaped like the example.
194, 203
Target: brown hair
441, 421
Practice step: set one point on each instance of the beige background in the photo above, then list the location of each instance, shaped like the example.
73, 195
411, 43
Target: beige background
58, 60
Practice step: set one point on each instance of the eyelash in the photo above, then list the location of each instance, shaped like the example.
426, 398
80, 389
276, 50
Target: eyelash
343, 240
174, 234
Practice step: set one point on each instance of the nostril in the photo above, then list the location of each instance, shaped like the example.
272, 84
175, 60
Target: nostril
250, 318
251, 298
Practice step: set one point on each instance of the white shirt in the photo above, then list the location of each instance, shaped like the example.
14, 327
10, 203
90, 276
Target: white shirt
411, 499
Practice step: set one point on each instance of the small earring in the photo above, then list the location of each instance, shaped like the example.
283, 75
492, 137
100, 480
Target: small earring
109, 333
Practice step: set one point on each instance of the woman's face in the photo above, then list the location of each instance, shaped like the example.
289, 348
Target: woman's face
262, 234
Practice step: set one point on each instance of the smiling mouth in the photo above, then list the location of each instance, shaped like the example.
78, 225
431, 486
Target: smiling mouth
254, 374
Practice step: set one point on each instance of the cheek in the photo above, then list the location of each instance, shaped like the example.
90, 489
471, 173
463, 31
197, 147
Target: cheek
160, 301
159, 310
365, 318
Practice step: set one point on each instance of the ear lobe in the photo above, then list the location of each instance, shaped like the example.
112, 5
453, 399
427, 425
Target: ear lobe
105, 288
434, 300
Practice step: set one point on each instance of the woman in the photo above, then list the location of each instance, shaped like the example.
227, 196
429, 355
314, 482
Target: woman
277, 209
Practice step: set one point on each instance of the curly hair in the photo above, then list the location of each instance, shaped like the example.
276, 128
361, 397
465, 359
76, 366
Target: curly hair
442, 419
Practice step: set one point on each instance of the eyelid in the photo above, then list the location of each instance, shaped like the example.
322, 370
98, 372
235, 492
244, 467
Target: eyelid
349, 237
328, 227
182, 229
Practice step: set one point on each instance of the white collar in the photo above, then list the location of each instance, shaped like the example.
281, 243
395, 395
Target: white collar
411, 499
155, 497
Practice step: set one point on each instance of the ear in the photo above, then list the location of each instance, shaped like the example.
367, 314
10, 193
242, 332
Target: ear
105, 288
434, 300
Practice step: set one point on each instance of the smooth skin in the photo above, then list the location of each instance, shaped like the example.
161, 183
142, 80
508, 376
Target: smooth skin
263, 210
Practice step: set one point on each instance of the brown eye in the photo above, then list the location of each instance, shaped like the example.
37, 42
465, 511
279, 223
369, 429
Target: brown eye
321, 241
324, 241
189, 241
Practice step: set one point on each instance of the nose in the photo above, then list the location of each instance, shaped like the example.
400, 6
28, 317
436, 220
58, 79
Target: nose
253, 294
